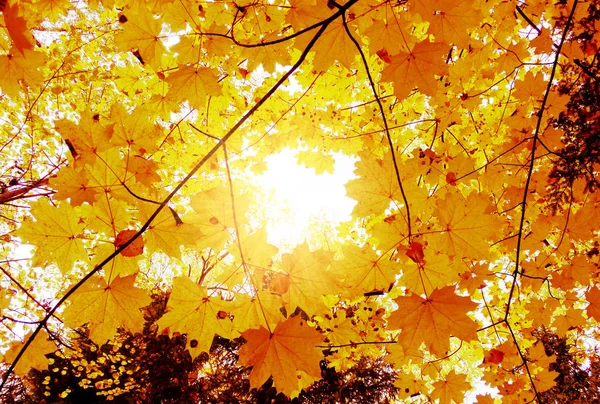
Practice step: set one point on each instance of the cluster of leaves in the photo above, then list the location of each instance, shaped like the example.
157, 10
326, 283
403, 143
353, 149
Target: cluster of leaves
579, 372
579, 158
134, 135
152, 368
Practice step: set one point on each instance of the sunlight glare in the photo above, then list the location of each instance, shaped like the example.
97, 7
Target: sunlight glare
299, 198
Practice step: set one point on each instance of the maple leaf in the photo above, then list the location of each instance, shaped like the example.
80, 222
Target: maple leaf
305, 279
290, 348
545, 380
304, 13
141, 33
113, 110
409, 385
104, 307
416, 68
433, 320
53, 9
593, 297
537, 355
196, 313
262, 309
20, 70
363, 270
87, 139
333, 45
451, 25
451, 388
133, 129
33, 358
133, 249
121, 265
320, 162
168, 231
384, 34
460, 219
215, 215
377, 187
254, 249
72, 184
144, 170
57, 234
193, 84
17, 28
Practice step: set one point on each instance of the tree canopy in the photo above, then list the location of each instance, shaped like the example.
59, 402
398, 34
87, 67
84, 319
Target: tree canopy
132, 136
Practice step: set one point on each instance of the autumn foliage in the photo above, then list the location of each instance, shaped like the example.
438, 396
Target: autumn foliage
132, 138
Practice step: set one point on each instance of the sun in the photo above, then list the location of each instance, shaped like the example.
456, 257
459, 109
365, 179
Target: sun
302, 204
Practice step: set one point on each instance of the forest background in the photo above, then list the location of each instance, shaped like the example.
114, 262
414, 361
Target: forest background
132, 137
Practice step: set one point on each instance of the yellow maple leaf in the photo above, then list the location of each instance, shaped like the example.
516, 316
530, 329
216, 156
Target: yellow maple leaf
104, 308
255, 250
34, 357
537, 355
545, 380
141, 33
196, 313
119, 266
333, 45
56, 233
409, 385
291, 347
73, 184
304, 13
321, 163
144, 170
215, 215
305, 279
377, 186
53, 9
451, 25
86, 138
193, 84
261, 310
467, 227
133, 129
363, 270
19, 70
168, 231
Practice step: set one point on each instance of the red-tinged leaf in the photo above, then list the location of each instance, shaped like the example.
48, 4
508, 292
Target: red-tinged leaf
17, 28
135, 248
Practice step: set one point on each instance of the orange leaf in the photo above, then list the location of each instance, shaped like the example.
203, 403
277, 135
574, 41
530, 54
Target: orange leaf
290, 348
17, 28
493, 356
135, 248
417, 68
593, 309
415, 252
433, 320
452, 387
